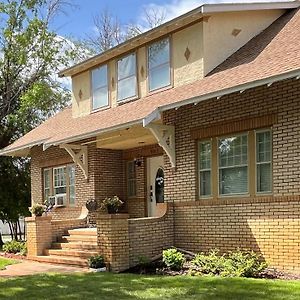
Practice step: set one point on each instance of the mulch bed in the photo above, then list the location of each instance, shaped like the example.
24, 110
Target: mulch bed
157, 268
12, 256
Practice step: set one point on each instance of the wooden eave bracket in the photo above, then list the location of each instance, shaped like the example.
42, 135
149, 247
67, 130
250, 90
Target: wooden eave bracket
165, 136
79, 155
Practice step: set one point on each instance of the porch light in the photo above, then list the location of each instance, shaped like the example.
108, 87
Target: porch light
137, 162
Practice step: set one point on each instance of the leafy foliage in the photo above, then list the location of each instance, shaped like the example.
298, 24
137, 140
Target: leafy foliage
173, 259
235, 264
15, 247
38, 209
96, 262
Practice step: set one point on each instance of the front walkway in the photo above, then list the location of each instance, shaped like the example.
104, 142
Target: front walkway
27, 267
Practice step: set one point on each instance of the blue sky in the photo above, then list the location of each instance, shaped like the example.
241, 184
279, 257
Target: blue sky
79, 20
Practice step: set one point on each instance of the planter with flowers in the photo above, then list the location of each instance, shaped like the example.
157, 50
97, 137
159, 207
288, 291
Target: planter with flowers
111, 204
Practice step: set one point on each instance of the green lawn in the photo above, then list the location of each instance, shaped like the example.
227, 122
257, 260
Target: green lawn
6, 262
127, 286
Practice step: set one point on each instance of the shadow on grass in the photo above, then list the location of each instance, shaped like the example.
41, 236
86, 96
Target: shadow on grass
128, 286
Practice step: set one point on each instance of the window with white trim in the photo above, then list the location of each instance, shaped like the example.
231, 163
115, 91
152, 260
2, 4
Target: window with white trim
159, 72
60, 182
99, 87
205, 168
233, 165
263, 162
127, 78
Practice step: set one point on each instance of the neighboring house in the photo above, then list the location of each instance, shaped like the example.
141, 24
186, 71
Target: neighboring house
195, 125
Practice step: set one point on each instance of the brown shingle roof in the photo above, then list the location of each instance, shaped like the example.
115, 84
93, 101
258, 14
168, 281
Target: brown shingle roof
273, 52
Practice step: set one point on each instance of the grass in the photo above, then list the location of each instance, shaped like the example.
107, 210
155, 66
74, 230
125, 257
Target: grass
135, 287
6, 262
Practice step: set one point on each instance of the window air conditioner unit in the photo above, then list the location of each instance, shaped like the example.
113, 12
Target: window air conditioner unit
60, 200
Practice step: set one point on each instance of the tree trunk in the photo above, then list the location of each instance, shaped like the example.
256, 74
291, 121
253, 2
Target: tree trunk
1, 241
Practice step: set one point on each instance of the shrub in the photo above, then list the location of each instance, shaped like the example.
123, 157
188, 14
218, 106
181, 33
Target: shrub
235, 264
37, 209
15, 247
173, 259
96, 262
211, 264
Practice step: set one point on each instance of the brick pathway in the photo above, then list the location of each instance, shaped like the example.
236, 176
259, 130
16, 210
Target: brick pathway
28, 267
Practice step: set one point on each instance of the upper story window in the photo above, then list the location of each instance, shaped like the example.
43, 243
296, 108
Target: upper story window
159, 73
99, 87
127, 85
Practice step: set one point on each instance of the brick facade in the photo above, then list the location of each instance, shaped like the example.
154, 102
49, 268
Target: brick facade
269, 225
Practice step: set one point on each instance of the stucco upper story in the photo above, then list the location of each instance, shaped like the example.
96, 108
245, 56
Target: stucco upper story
177, 53
215, 50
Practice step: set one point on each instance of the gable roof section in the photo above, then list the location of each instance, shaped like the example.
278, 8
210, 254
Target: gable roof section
271, 56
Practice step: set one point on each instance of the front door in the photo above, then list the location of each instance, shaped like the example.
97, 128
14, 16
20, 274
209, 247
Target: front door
155, 176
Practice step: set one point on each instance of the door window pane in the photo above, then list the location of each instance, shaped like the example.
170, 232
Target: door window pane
159, 186
205, 168
127, 77
263, 162
159, 64
99, 87
233, 165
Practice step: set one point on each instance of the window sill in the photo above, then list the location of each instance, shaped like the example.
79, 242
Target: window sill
162, 89
100, 109
126, 100
59, 206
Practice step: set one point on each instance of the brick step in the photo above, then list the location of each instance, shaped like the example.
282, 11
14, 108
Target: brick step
74, 253
76, 261
83, 231
79, 238
75, 246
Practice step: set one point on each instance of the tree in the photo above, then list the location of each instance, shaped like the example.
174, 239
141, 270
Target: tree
109, 32
30, 55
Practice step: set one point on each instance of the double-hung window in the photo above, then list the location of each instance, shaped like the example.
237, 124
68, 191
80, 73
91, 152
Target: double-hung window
205, 168
263, 162
233, 165
47, 184
99, 87
71, 171
60, 180
159, 74
131, 179
127, 79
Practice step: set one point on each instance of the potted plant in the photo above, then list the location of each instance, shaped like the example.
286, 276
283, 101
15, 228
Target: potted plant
96, 263
111, 204
37, 209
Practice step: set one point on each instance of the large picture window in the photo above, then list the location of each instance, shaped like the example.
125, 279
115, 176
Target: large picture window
99, 87
233, 165
60, 182
159, 74
127, 85
239, 164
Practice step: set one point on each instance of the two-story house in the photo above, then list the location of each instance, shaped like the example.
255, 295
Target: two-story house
194, 125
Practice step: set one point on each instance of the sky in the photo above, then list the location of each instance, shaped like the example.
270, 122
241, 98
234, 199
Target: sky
78, 20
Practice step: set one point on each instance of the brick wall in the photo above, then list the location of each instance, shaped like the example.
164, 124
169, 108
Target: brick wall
269, 225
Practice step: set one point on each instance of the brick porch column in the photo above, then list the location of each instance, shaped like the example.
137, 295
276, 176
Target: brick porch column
113, 240
39, 235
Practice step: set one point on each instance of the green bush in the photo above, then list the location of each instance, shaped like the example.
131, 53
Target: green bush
173, 259
96, 262
37, 209
234, 264
15, 247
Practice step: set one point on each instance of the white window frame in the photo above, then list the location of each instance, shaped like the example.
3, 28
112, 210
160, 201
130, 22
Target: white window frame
203, 170
260, 163
218, 166
61, 186
156, 67
100, 88
44, 183
69, 185
135, 75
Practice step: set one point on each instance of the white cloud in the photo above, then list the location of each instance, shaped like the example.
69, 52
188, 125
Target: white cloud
175, 8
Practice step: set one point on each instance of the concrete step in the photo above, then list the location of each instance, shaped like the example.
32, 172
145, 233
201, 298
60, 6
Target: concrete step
71, 261
75, 246
84, 239
83, 231
73, 253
